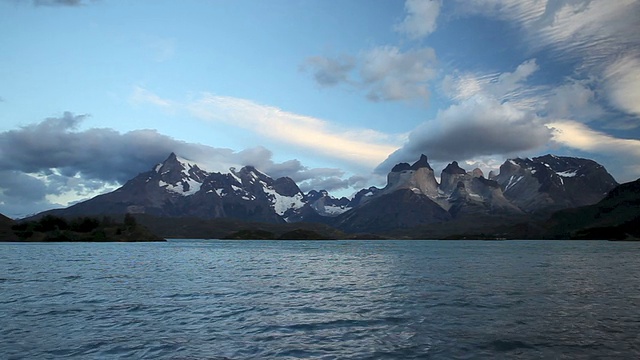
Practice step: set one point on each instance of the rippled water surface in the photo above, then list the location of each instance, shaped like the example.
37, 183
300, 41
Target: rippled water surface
320, 300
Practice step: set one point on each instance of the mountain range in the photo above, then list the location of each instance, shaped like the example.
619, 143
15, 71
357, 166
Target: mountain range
462, 200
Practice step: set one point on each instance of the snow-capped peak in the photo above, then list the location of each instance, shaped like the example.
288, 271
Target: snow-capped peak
180, 175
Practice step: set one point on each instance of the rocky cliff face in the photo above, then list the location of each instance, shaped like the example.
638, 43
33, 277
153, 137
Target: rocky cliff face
460, 194
418, 178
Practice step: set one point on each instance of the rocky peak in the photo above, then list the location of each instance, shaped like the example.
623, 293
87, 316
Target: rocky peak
286, 186
177, 176
400, 167
454, 168
171, 164
477, 173
452, 176
418, 178
553, 182
364, 195
423, 162
250, 176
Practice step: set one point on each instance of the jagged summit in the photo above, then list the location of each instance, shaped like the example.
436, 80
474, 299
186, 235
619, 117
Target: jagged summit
418, 178
423, 162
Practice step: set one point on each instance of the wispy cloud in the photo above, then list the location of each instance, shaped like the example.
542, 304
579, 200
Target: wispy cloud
580, 136
593, 33
622, 82
505, 86
143, 96
624, 154
356, 146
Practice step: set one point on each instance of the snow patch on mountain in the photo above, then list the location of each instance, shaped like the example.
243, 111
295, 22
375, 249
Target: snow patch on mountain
568, 174
179, 188
513, 180
188, 164
282, 203
334, 210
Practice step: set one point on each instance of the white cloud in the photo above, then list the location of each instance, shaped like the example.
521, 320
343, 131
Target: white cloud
386, 73
574, 99
622, 81
356, 146
421, 18
506, 86
580, 136
392, 74
623, 154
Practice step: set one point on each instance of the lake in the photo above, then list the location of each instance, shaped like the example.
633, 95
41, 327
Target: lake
211, 299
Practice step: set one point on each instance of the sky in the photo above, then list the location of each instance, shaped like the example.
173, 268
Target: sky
330, 93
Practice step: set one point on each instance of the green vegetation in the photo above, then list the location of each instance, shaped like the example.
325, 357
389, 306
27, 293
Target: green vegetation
52, 228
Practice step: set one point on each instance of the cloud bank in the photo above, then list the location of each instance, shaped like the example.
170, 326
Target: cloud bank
50, 163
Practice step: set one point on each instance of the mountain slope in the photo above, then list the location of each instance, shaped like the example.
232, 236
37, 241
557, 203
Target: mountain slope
6, 233
179, 188
617, 216
400, 209
549, 182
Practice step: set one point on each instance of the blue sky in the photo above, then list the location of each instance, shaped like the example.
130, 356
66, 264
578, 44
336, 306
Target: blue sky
330, 93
